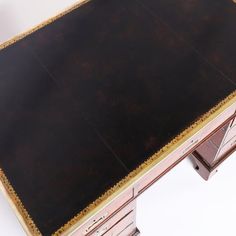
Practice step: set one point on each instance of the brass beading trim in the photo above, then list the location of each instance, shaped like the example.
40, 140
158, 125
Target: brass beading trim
43, 24
147, 165
24, 217
93, 208
15, 202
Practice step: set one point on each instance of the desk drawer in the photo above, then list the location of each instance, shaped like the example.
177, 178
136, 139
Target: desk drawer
115, 219
230, 134
125, 227
104, 214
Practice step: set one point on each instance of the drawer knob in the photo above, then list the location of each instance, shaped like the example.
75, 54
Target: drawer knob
95, 222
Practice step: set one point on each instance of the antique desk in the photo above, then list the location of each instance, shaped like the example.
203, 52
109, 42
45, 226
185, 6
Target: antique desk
102, 100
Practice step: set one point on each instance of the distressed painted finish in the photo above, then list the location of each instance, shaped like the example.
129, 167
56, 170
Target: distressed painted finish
91, 96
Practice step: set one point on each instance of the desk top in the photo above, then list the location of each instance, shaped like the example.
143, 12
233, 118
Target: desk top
87, 99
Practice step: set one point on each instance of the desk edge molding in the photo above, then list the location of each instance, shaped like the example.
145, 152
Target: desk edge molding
43, 24
31, 228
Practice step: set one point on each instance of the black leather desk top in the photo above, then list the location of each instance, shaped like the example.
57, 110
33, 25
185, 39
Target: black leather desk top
88, 98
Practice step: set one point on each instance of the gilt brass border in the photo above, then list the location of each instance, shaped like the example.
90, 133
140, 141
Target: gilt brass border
18, 207
24, 217
43, 24
147, 165
31, 228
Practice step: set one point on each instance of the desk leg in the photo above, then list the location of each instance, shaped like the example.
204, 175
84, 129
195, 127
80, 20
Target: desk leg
202, 167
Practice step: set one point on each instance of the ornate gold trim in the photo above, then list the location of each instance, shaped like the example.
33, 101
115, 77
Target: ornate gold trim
43, 24
147, 165
31, 228
15, 202
24, 217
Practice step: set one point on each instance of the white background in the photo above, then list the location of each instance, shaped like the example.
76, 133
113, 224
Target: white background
181, 203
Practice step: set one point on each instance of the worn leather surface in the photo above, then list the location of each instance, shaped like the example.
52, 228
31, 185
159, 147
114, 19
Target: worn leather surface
208, 26
88, 98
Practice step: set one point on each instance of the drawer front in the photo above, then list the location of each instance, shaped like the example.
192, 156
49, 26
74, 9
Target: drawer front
227, 147
115, 219
124, 227
128, 231
230, 134
104, 214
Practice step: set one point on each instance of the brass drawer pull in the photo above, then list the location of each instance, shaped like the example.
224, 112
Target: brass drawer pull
95, 223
